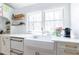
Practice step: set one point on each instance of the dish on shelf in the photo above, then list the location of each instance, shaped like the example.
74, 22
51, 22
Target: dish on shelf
18, 17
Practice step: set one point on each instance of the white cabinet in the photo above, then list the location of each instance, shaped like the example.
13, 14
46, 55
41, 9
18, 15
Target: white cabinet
5, 45
32, 47
67, 48
29, 50
7, 11
38, 51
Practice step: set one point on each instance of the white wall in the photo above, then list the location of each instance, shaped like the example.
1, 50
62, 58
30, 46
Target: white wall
44, 6
75, 18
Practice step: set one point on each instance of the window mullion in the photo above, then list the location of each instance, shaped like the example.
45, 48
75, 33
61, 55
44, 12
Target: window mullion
43, 22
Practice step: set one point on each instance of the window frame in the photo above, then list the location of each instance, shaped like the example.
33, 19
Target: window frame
43, 19
34, 22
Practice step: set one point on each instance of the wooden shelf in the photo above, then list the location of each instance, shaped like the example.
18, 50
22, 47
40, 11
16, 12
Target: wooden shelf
17, 24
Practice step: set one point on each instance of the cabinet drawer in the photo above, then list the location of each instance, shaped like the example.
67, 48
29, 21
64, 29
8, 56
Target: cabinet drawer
67, 52
68, 45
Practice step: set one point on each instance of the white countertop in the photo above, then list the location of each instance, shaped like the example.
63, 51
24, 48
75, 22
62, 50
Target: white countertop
66, 40
48, 39
45, 42
21, 35
44, 39
17, 35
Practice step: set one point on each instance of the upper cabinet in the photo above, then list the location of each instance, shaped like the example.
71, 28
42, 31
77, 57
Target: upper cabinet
6, 11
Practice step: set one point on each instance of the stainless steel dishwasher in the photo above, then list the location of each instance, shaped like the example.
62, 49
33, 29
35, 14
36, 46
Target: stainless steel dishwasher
17, 46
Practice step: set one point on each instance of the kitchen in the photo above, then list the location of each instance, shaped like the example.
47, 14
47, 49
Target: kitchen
39, 29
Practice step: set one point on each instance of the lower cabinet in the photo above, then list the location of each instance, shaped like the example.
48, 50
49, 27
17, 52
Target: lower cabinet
33, 47
37, 51
41, 51
5, 45
29, 50
67, 48
15, 46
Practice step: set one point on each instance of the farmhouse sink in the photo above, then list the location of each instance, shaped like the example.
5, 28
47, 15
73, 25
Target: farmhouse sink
40, 42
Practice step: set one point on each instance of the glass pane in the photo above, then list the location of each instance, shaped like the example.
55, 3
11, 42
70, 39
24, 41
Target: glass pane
59, 14
30, 18
34, 20
30, 27
49, 26
49, 15
35, 16
37, 27
0, 11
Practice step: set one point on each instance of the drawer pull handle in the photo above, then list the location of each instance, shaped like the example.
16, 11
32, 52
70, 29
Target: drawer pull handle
16, 40
18, 52
71, 46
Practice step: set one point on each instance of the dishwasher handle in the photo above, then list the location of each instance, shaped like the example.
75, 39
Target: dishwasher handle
16, 40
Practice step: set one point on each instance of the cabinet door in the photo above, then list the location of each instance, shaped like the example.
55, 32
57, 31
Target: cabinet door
67, 48
28, 50
5, 45
7, 11
40, 51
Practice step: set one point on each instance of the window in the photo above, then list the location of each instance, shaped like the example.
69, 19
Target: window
1, 11
45, 21
53, 19
34, 22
